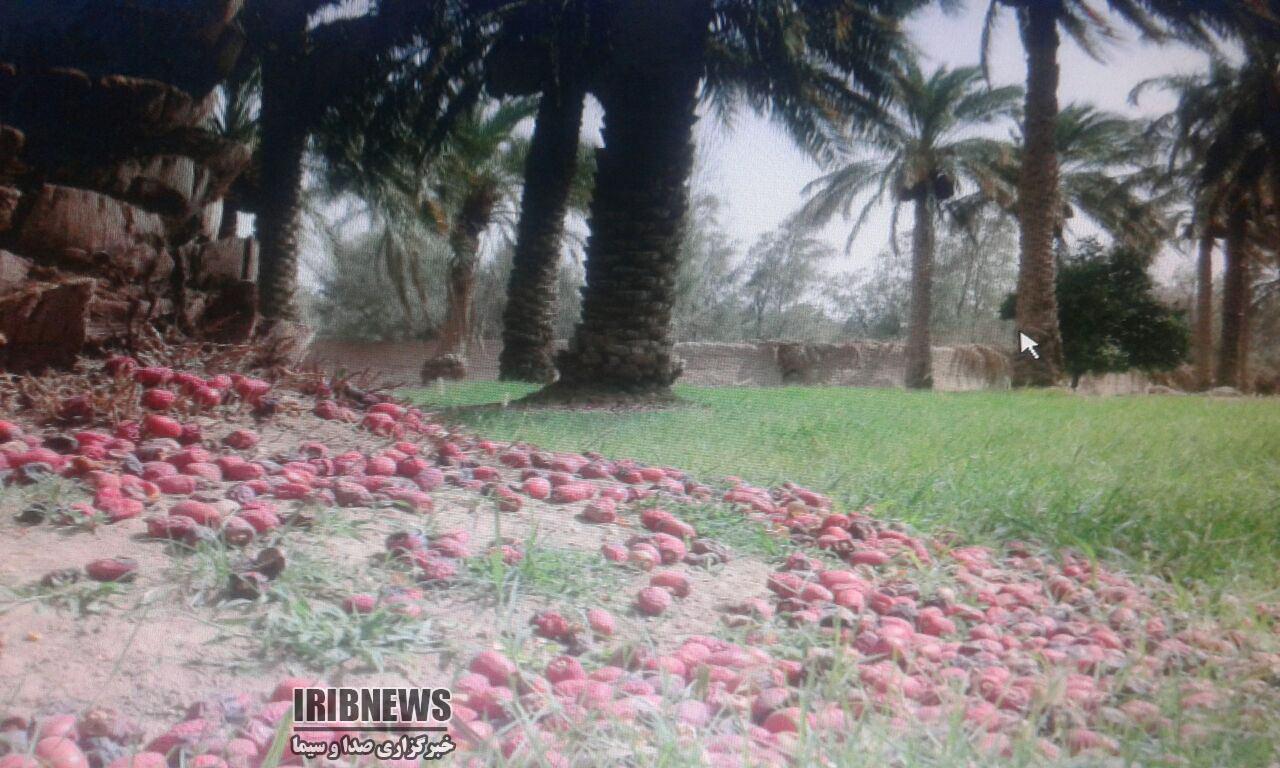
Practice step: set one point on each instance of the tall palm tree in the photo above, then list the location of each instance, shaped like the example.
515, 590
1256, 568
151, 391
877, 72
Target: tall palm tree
1106, 172
924, 148
542, 49
284, 118
1243, 159
1186, 131
313, 59
1224, 133
476, 178
786, 58
1106, 176
1040, 22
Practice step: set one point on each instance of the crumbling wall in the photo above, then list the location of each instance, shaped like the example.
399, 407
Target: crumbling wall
110, 180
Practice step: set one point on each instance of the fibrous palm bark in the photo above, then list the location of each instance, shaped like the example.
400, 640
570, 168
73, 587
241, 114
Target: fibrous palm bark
623, 342
1233, 349
1039, 201
283, 143
1204, 313
919, 373
464, 242
527, 331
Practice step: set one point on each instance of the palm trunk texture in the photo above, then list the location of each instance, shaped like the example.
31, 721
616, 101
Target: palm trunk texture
623, 343
1233, 352
527, 322
1204, 314
919, 373
1039, 202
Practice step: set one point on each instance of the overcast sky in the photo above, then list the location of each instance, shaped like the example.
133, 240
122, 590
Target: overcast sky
759, 173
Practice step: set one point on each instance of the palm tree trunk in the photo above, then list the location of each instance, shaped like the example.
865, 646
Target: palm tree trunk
464, 241
282, 146
1204, 313
528, 321
919, 374
460, 286
1039, 201
1233, 352
623, 343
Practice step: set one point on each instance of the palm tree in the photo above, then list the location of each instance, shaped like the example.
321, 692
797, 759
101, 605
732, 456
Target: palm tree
782, 57
1106, 174
1224, 133
1243, 159
283, 127
314, 59
476, 178
472, 183
542, 49
1186, 132
1038, 186
920, 152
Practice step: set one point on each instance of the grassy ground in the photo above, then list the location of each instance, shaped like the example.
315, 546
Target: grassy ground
1187, 487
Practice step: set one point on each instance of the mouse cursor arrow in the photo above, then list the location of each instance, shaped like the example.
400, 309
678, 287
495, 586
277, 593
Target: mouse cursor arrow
1028, 344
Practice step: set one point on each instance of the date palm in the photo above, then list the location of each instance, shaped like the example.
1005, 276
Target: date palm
542, 49
1242, 162
1223, 135
313, 60
1243, 156
471, 183
801, 62
927, 146
1107, 173
1186, 132
1039, 192
1106, 176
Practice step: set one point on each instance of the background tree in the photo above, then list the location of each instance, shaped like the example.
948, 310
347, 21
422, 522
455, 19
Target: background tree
976, 270
470, 185
1186, 132
1109, 315
355, 281
782, 270
707, 301
1039, 191
923, 148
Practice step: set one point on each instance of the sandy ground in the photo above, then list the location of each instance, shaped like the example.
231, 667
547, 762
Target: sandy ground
168, 639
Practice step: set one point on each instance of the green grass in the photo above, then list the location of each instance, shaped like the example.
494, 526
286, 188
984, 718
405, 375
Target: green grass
565, 574
1187, 487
